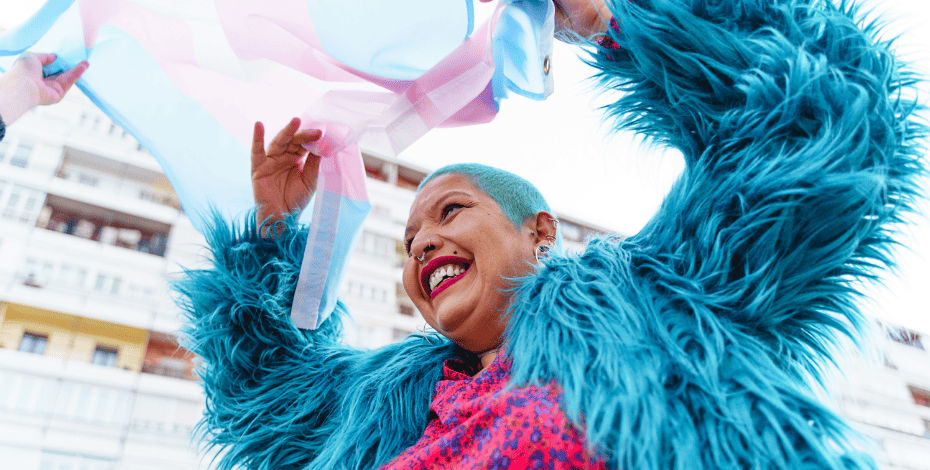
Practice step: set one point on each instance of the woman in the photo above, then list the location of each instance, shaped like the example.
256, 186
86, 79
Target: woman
696, 343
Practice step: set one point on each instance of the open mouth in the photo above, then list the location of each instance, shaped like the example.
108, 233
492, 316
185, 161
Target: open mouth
442, 272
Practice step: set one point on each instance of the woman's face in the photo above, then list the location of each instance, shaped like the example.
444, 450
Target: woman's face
471, 248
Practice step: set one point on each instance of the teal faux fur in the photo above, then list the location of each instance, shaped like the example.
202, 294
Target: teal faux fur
283, 398
695, 344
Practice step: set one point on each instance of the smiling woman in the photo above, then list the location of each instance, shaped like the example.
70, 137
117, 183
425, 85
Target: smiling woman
471, 251
697, 343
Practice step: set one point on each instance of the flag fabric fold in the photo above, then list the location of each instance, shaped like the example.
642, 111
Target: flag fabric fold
188, 78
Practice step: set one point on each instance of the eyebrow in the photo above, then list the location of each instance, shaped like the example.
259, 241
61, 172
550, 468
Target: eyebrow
454, 192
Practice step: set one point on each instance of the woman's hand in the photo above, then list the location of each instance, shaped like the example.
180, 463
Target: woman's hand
24, 87
585, 18
284, 176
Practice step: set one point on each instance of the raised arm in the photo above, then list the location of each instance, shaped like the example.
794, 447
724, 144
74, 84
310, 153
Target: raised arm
277, 396
692, 344
797, 128
284, 398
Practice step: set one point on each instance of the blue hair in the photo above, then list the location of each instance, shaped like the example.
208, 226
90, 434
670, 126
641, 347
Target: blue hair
517, 197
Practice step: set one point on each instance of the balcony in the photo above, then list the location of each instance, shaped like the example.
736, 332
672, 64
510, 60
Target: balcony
104, 226
117, 185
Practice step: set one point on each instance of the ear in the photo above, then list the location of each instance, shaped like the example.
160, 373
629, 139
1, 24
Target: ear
543, 227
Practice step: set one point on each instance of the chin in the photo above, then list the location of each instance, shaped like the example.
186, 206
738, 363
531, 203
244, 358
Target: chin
479, 338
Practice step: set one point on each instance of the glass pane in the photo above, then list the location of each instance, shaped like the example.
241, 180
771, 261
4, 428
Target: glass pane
21, 155
105, 356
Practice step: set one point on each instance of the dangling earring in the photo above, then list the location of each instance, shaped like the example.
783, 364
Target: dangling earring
544, 249
541, 249
422, 330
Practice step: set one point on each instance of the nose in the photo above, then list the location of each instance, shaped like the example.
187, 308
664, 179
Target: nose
423, 244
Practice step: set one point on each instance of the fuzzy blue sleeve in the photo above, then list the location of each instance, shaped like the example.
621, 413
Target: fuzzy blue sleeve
798, 130
694, 343
284, 398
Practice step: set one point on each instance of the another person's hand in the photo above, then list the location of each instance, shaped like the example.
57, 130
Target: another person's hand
24, 87
283, 177
586, 18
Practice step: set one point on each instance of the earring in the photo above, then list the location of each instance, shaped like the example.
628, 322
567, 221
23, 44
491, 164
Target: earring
422, 330
541, 249
429, 243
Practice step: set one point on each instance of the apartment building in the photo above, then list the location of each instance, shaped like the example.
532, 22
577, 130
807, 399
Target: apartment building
887, 396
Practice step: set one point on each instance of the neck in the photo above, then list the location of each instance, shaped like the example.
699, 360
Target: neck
487, 358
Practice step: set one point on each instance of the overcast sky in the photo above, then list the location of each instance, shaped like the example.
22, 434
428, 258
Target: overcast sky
615, 181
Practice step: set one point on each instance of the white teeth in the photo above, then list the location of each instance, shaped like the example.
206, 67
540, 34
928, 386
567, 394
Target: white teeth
449, 270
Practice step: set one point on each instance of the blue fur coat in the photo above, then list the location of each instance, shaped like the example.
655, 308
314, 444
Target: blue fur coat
695, 344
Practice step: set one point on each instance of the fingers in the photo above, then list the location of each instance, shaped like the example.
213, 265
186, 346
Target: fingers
306, 136
289, 141
44, 59
310, 171
258, 145
280, 142
66, 80
302, 138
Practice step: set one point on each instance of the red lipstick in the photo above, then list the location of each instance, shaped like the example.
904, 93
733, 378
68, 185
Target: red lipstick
435, 264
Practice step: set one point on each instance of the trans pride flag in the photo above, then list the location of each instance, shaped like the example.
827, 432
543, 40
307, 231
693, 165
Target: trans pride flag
188, 78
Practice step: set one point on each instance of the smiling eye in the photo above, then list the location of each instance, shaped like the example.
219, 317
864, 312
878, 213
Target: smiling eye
450, 208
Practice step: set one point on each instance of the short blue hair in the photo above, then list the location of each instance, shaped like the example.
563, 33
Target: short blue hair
517, 197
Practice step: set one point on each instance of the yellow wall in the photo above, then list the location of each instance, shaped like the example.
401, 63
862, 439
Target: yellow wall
71, 337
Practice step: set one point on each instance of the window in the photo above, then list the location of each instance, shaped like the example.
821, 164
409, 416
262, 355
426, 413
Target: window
89, 180
21, 203
64, 274
105, 356
31, 273
79, 278
12, 202
101, 279
33, 343
114, 288
406, 310
20, 157
30, 202
377, 245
